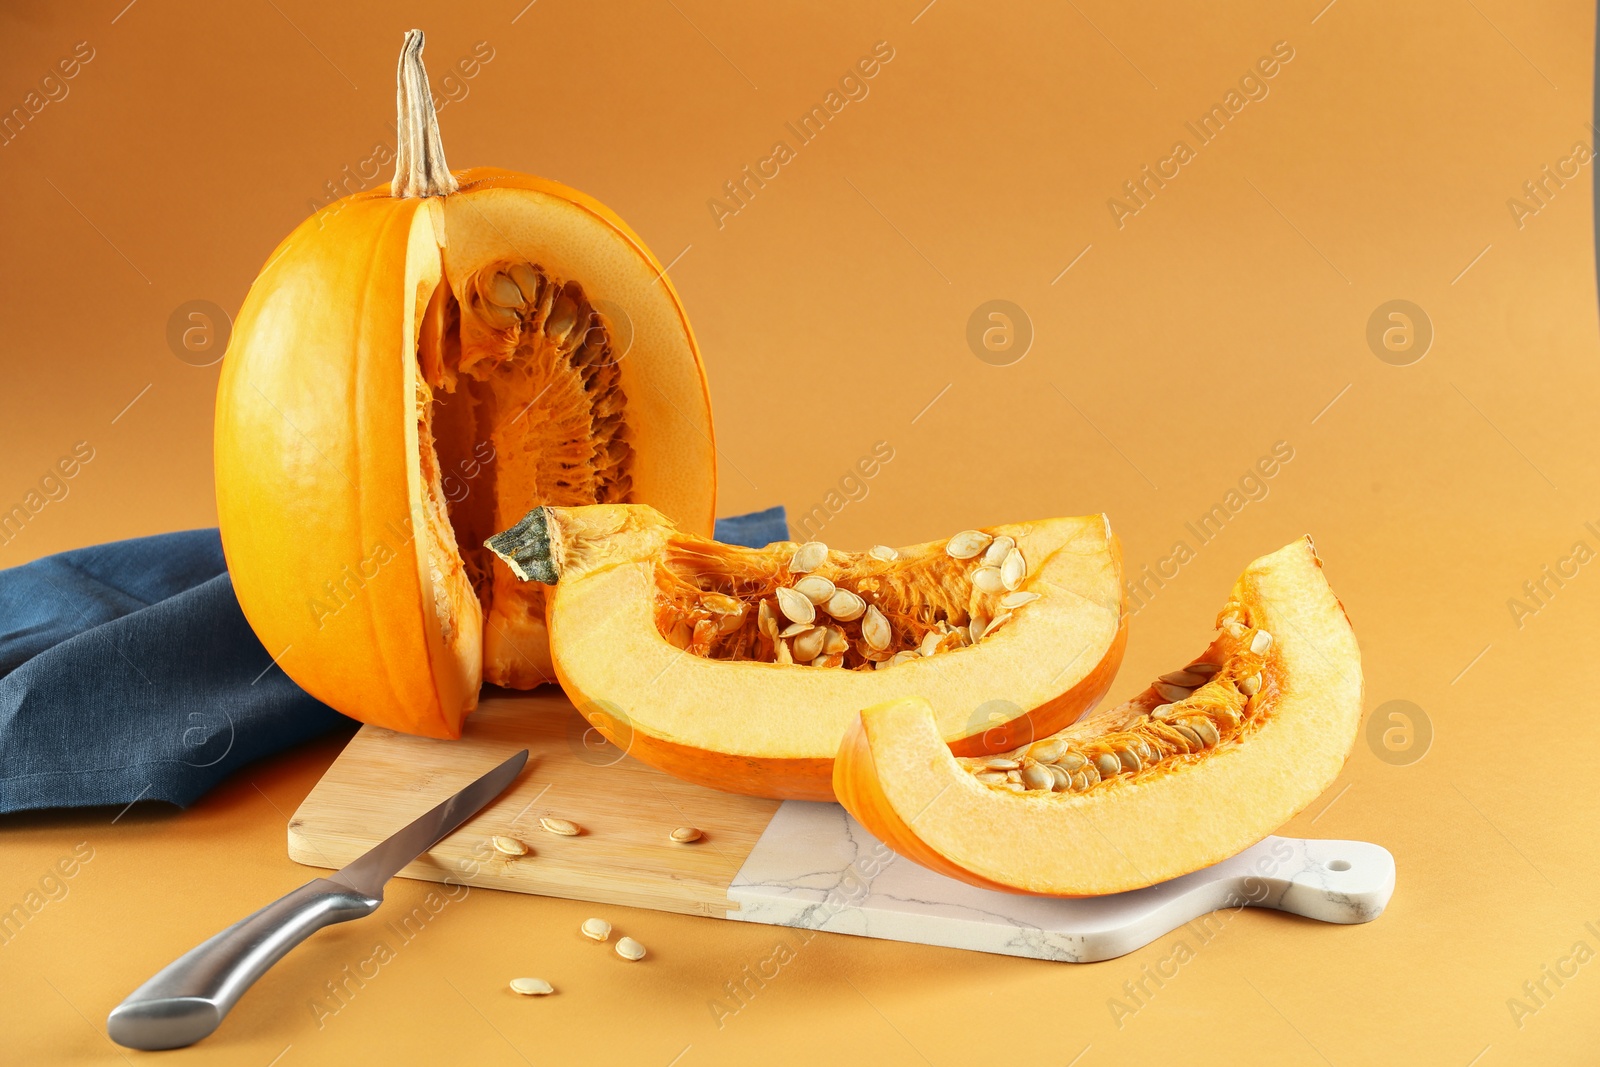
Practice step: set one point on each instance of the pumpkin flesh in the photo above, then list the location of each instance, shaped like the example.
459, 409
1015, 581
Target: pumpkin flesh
1207, 771
670, 643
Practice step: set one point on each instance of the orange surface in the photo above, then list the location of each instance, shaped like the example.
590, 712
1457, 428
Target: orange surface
1229, 313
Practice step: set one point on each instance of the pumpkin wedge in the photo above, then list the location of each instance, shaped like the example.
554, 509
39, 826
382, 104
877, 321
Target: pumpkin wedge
741, 668
1204, 763
414, 368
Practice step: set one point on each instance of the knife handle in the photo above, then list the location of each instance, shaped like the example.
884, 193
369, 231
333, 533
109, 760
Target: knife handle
189, 997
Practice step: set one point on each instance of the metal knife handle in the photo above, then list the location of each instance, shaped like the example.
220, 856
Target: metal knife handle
189, 997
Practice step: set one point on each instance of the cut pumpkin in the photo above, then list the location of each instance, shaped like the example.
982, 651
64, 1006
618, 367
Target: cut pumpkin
741, 668
414, 368
1204, 763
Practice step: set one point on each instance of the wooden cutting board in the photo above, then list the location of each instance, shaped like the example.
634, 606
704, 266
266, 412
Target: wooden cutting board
384, 779
791, 864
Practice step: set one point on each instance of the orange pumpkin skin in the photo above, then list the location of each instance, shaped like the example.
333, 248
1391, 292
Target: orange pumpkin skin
321, 498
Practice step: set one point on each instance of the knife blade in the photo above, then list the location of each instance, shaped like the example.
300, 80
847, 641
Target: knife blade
189, 998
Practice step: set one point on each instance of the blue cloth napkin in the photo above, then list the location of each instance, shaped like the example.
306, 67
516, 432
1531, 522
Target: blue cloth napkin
128, 672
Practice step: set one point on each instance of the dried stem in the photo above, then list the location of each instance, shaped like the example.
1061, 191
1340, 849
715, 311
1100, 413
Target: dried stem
419, 168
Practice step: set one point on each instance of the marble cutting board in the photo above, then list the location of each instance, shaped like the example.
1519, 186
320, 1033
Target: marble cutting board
792, 864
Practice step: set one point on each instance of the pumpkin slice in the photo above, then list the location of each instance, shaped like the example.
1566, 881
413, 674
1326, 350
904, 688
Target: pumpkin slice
415, 367
741, 668
1204, 763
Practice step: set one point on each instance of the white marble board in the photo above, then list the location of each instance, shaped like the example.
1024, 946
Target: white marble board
814, 867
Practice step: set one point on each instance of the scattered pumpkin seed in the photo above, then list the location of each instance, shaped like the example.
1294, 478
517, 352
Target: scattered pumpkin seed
686, 834
508, 846
532, 987
562, 827
596, 929
629, 949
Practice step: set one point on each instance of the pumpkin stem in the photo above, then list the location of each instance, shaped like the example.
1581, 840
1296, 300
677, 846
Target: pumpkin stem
419, 167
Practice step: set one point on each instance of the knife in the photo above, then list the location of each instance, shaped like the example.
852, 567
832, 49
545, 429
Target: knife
189, 997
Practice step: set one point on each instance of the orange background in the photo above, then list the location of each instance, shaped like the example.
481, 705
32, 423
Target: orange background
1228, 314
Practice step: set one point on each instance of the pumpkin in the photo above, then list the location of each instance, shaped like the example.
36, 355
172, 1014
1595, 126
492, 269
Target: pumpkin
1205, 762
413, 369
742, 668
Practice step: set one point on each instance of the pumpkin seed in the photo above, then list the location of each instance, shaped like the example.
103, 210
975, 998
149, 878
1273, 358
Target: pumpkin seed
930, 642
875, 629
1190, 735
996, 622
1261, 642
990, 777
995, 554
1227, 716
884, 553
782, 653
1108, 765
502, 291
829, 659
1014, 569
1129, 759
967, 543
1014, 776
794, 628
766, 622
1203, 668
1071, 761
1091, 771
1049, 750
815, 588
686, 834
1172, 693
1014, 787
561, 827
834, 642
808, 557
596, 929
1016, 600
1000, 763
1082, 780
1163, 712
730, 623
532, 987
796, 606
988, 580
845, 606
1061, 780
808, 646
905, 657
1250, 686
977, 627
680, 635
1036, 776
1206, 729
1185, 678
508, 846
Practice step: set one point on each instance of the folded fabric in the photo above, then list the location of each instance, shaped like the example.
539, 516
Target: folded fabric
128, 672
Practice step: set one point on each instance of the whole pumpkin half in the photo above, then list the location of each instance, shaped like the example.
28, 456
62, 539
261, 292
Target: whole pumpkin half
413, 369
